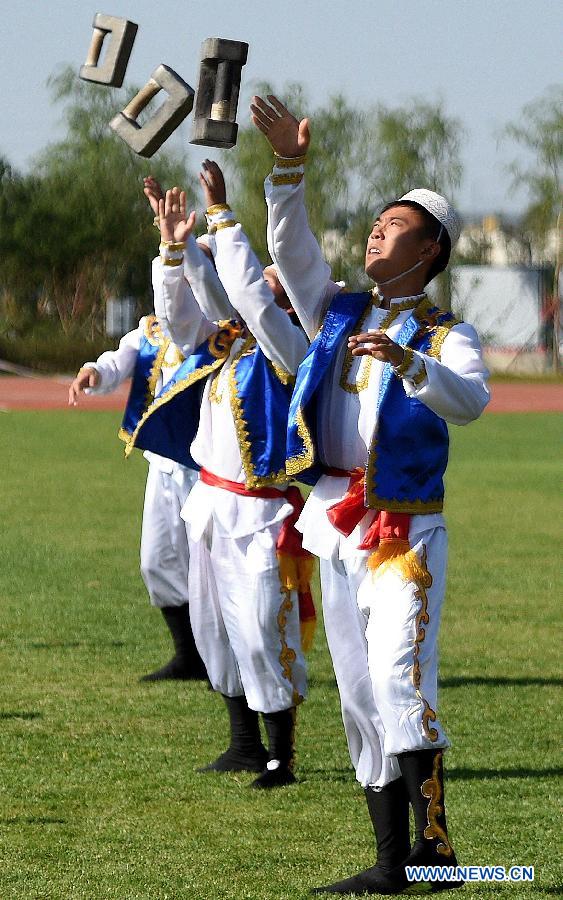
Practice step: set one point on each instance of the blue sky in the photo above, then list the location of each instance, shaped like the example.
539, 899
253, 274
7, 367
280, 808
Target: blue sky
485, 59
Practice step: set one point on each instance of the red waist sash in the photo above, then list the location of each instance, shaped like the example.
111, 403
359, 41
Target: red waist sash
348, 512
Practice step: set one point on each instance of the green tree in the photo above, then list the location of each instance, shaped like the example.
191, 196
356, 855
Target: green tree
357, 161
331, 164
539, 132
81, 230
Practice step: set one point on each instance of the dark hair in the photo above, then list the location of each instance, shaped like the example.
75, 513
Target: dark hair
430, 230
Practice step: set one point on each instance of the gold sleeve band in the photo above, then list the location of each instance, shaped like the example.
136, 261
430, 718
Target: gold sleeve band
284, 162
294, 178
174, 246
407, 362
219, 207
420, 375
166, 261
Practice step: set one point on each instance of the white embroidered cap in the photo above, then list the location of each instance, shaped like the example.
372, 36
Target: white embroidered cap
439, 207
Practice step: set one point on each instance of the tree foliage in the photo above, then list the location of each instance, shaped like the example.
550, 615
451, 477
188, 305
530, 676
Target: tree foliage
539, 132
78, 229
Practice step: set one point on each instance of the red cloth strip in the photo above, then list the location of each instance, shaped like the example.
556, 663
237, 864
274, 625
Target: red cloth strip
289, 539
348, 512
238, 487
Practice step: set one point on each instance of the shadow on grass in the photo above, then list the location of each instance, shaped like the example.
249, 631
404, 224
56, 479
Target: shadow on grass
470, 774
72, 645
21, 715
461, 681
33, 820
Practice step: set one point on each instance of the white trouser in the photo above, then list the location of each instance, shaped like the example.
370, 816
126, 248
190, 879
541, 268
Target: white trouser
382, 634
245, 627
164, 542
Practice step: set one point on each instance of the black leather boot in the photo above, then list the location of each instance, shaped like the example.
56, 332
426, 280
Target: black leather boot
280, 727
389, 813
423, 773
186, 664
246, 752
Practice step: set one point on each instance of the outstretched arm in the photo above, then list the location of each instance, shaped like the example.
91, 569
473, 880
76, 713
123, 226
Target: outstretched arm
293, 247
109, 370
243, 277
205, 283
174, 303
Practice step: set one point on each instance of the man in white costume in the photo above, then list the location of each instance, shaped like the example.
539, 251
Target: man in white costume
243, 603
368, 424
164, 545
150, 358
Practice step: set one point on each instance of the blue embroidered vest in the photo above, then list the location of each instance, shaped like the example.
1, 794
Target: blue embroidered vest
259, 397
409, 451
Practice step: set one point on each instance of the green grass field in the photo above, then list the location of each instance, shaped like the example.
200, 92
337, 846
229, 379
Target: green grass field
99, 795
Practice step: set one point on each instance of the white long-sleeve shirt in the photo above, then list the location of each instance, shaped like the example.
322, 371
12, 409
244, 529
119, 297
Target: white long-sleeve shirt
216, 445
454, 387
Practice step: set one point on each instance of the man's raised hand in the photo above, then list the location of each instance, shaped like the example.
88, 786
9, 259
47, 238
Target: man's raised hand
153, 192
213, 183
288, 136
174, 226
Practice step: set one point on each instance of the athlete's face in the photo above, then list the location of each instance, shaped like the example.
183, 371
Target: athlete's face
396, 242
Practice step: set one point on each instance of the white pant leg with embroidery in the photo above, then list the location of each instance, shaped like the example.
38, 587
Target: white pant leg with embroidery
372, 626
164, 541
403, 620
246, 628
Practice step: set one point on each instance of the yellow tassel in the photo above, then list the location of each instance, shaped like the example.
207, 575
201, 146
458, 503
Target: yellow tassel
397, 555
307, 630
296, 572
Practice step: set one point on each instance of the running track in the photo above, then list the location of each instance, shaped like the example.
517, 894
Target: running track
52, 393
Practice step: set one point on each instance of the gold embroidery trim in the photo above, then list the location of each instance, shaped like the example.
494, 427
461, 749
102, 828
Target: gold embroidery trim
287, 162
287, 655
420, 376
252, 481
432, 790
173, 246
438, 338
407, 362
424, 581
414, 507
153, 331
156, 369
281, 374
173, 357
362, 380
306, 458
228, 223
172, 262
294, 178
182, 385
217, 208
214, 395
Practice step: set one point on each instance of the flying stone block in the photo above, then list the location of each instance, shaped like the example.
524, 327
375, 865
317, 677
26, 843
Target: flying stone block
112, 70
147, 138
217, 94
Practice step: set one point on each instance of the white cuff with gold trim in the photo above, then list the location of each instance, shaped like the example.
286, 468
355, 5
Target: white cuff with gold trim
218, 217
288, 170
172, 252
412, 367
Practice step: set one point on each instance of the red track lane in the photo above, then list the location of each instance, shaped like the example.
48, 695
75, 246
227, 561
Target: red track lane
52, 393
